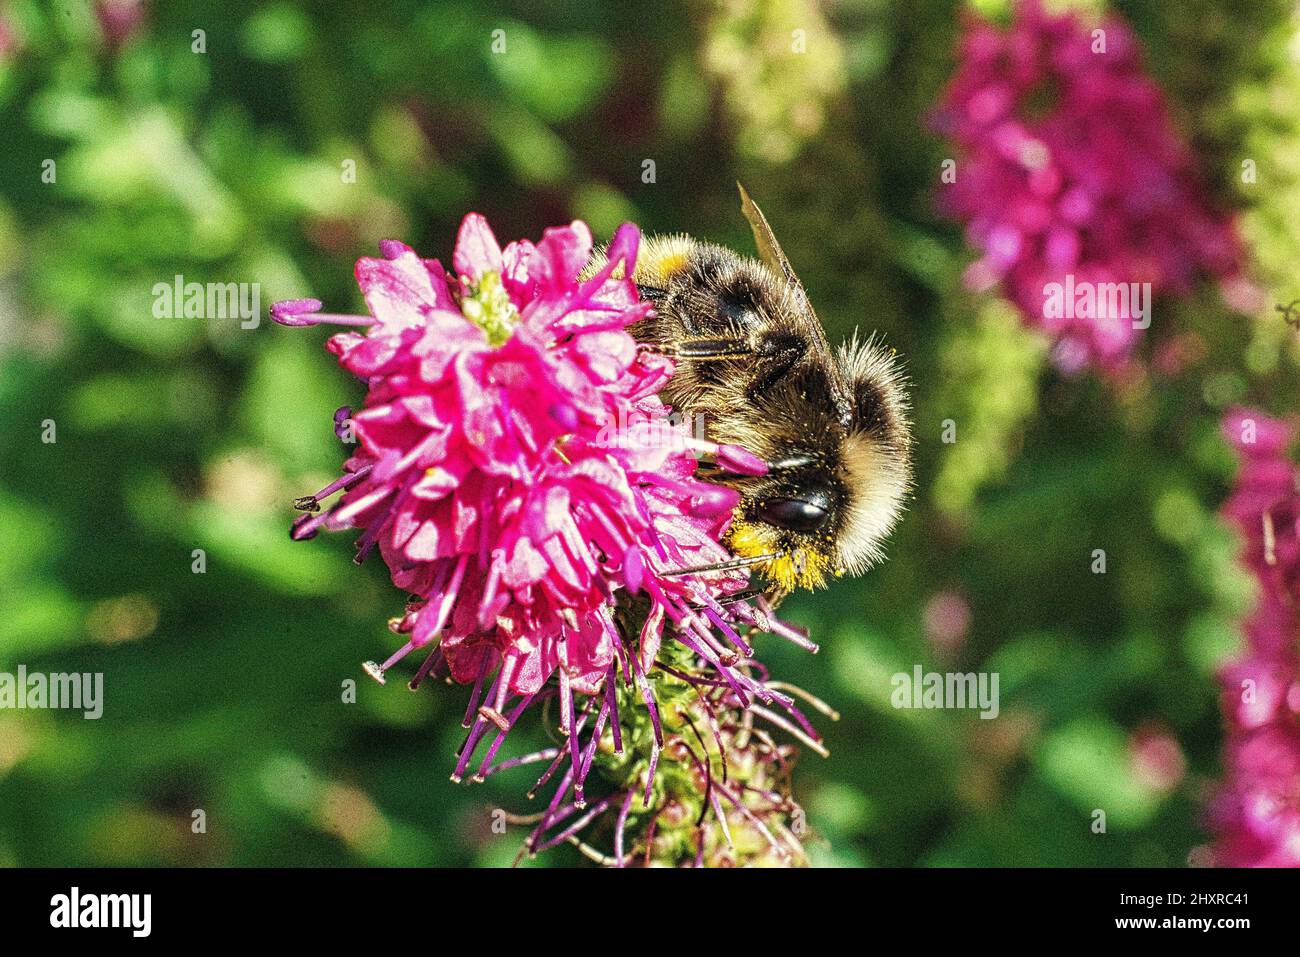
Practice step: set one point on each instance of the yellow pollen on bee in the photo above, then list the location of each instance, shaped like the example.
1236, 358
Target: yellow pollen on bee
802, 568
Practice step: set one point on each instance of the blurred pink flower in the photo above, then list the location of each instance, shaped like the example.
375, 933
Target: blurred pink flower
9, 44
119, 19
1069, 170
1157, 757
946, 619
1256, 812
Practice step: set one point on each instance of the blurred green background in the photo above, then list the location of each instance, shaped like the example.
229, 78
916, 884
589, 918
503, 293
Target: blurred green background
225, 689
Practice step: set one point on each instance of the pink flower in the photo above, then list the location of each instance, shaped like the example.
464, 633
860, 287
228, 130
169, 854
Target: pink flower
1256, 811
119, 19
524, 483
1070, 171
9, 40
1157, 758
946, 619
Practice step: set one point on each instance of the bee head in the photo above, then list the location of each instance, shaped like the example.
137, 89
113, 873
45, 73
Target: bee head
794, 521
840, 471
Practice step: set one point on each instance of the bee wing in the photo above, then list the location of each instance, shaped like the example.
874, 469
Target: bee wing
770, 252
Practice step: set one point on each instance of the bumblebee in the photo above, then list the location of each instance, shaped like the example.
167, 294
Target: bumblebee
754, 365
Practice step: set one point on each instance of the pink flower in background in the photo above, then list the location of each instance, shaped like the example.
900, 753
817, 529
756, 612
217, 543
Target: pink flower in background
119, 19
9, 45
523, 482
1157, 757
1069, 171
946, 619
1256, 812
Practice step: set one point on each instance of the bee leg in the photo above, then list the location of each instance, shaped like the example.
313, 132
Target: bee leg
790, 463
775, 368
651, 293
740, 596
712, 349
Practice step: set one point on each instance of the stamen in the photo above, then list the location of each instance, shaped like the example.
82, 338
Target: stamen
733, 458
399, 654
788, 632
611, 698
311, 503
648, 697
808, 696
589, 752
515, 712
306, 312
701, 631
730, 565
754, 821
619, 826
566, 712
731, 677
544, 755
560, 791
729, 633
508, 668
496, 717
650, 773
305, 527
721, 815
560, 754
789, 728
579, 824
471, 741
429, 664
472, 708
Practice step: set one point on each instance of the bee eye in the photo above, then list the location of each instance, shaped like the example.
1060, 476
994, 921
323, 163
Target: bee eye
795, 514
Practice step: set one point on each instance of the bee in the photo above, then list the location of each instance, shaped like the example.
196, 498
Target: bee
753, 364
